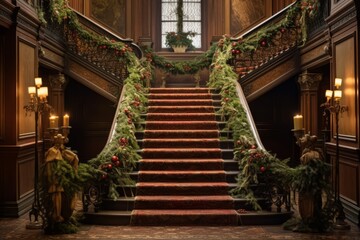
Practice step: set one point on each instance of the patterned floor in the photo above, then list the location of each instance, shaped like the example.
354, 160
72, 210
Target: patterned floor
16, 229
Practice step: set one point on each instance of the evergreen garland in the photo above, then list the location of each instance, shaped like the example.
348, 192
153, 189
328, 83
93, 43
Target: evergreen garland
119, 156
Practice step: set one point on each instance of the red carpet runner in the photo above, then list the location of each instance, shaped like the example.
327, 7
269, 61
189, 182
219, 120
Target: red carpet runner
181, 176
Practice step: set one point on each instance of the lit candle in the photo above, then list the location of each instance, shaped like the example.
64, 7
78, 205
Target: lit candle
337, 94
298, 122
338, 82
66, 120
43, 92
328, 95
38, 81
31, 90
54, 121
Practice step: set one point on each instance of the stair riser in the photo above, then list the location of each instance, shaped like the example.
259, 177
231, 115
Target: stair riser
227, 154
184, 204
123, 205
180, 126
199, 109
180, 103
205, 116
179, 90
181, 144
175, 155
168, 177
184, 134
184, 220
187, 96
223, 145
162, 117
180, 190
182, 166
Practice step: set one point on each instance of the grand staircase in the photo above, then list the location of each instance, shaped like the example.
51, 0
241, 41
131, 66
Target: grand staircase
186, 171
181, 178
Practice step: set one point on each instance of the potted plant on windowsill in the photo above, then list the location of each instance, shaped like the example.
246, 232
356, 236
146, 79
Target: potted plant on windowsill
179, 41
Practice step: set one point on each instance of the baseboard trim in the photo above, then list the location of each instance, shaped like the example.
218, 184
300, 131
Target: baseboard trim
16, 208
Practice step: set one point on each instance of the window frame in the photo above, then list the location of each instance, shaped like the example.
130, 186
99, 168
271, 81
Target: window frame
158, 30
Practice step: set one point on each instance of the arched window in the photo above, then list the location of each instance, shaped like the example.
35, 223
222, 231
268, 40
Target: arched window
191, 19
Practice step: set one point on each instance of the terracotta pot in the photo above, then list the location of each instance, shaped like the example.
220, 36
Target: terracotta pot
179, 49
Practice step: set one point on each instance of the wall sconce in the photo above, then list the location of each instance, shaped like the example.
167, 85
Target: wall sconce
333, 106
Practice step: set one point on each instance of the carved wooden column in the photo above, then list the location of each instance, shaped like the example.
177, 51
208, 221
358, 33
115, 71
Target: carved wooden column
309, 84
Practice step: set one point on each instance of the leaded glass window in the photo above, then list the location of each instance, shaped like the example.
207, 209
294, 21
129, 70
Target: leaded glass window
191, 19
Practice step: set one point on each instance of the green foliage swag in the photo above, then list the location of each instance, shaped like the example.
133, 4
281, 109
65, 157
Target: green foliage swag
119, 156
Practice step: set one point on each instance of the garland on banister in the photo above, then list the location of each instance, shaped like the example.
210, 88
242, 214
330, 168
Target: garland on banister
119, 156
180, 67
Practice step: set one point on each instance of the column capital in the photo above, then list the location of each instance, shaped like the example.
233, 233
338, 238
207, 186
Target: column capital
57, 81
309, 81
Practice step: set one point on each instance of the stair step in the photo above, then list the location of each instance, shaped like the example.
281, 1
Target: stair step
199, 217
184, 202
182, 125
181, 143
181, 102
182, 176
223, 144
180, 117
120, 204
180, 90
169, 96
200, 153
181, 164
108, 217
176, 188
181, 133
181, 109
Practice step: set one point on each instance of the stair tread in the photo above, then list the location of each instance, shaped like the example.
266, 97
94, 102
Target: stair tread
182, 130
183, 184
181, 114
183, 198
185, 160
181, 149
185, 212
181, 140
181, 172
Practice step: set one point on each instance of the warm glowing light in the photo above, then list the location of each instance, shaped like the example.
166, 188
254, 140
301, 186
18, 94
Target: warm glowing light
54, 121
338, 82
66, 120
298, 122
31, 90
337, 94
328, 94
43, 92
38, 81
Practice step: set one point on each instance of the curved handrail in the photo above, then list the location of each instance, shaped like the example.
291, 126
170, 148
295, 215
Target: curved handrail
114, 123
97, 28
250, 119
273, 18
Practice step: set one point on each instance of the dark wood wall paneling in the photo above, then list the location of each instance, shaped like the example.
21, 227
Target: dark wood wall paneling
91, 117
18, 68
272, 113
343, 27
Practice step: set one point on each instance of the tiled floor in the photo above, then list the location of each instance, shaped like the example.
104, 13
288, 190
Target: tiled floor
16, 229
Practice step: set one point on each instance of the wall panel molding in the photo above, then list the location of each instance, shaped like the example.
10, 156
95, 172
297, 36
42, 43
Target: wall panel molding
27, 63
